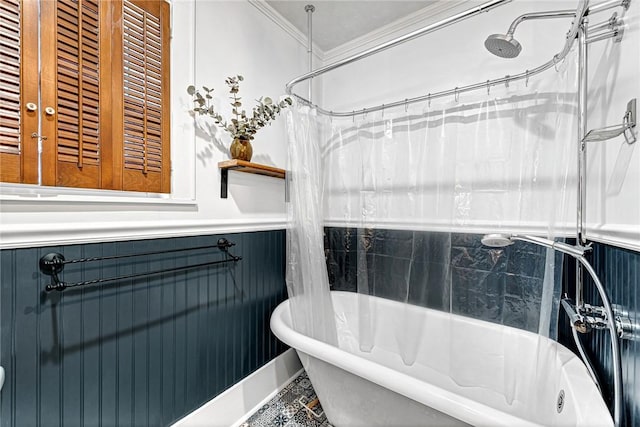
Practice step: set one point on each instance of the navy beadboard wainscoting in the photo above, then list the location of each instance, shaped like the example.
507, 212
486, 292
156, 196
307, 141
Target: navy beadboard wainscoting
137, 352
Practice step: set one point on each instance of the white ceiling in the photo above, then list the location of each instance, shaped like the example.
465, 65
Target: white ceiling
336, 22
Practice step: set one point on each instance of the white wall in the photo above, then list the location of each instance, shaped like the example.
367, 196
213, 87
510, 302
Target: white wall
613, 167
231, 37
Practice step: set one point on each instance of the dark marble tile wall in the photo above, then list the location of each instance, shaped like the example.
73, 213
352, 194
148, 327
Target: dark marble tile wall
138, 352
619, 272
501, 285
445, 271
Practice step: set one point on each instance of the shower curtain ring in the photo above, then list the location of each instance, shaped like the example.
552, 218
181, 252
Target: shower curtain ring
456, 95
555, 63
406, 104
383, 111
506, 81
526, 80
364, 113
488, 87
429, 99
353, 116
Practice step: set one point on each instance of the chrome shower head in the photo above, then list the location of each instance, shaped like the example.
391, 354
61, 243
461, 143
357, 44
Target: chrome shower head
504, 46
496, 240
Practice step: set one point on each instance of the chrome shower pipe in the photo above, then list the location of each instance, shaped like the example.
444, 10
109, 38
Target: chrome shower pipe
614, 34
608, 25
577, 252
310, 9
582, 131
539, 15
581, 11
606, 5
564, 13
611, 28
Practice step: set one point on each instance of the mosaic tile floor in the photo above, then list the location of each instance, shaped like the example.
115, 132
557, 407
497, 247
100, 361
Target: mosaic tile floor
296, 405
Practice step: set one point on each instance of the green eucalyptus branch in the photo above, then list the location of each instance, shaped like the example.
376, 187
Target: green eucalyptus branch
241, 126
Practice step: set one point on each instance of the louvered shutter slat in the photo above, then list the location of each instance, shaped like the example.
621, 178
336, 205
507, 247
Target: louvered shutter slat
143, 92
77, 77
10, 94
10, 105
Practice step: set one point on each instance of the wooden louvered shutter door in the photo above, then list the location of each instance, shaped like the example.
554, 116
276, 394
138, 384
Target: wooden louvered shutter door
145, 102
18, 86
72, 156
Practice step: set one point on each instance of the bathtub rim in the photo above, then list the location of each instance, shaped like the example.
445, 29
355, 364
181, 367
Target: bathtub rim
466, 410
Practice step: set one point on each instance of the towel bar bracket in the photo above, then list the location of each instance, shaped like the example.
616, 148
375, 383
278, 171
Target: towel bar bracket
51, 264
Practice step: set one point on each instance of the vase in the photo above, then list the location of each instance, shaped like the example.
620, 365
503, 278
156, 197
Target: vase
241, 149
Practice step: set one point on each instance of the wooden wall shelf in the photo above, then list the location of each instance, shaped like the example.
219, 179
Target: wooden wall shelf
247, 167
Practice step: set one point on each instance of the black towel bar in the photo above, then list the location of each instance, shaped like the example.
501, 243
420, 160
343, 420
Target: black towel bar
53, 263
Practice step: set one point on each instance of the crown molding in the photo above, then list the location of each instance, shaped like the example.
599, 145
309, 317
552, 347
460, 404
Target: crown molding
397, 28
286, 26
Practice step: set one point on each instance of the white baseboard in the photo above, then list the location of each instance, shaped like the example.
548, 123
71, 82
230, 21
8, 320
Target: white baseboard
235, 404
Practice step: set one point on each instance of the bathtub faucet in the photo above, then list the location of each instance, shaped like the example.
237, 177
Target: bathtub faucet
587, 317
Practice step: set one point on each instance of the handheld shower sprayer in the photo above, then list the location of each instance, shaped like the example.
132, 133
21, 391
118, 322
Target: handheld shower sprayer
496, 240
501, 240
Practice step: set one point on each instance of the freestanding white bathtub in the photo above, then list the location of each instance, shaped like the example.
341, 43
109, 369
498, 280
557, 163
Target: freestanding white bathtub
467, 372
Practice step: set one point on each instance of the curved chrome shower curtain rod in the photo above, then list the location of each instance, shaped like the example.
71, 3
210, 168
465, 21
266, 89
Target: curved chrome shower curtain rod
582, 10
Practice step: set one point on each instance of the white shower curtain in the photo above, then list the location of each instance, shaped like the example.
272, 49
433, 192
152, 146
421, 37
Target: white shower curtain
418, 186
